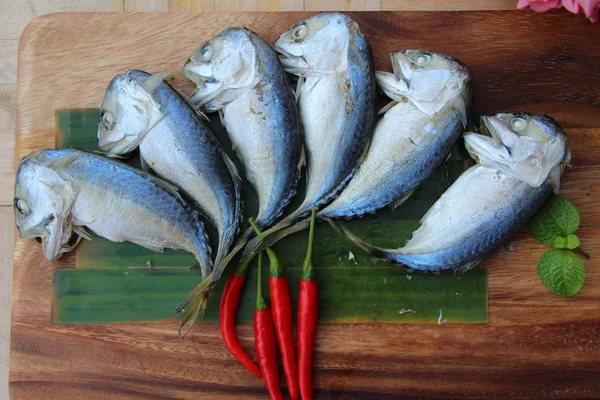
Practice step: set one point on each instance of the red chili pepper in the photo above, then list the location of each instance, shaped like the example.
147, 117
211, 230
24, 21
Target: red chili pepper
281, 304
264, 340
230, 300
308, 315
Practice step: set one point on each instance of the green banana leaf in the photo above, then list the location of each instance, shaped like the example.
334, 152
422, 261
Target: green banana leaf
122, 282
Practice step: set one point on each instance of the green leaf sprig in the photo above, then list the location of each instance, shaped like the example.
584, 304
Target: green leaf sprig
560, 269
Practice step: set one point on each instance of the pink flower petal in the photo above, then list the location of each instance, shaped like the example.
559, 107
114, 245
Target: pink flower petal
588, 6
542, 6
571, 5
522, 4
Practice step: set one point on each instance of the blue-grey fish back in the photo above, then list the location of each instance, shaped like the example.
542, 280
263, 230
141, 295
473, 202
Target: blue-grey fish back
359, 124
205, 153
284, 122
136, 186
484, 237
404, 180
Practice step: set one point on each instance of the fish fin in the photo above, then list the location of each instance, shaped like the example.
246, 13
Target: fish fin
196, 99
158, 249
152, 82
387, 107
202, 115
143, 164
460, 107
169, 187
235, 174
467, 266
351, 237
284, 223
109, 155
194, 107
58, 164
259, 244
70, 248
221, 117
193, 306
301, 80
396, 203
82, 232
554, 177
302, 162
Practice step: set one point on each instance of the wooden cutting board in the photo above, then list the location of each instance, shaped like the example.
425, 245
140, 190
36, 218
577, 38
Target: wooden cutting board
536, 344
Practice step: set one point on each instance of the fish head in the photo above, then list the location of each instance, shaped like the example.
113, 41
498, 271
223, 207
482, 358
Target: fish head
222, 67
43, 202
529, 147
318, 45
431, 81
129, 111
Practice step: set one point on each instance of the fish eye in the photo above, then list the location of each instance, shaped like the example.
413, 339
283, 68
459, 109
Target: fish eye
22, 206
300, 32
423, 59
518, 124
107, 119
206, 53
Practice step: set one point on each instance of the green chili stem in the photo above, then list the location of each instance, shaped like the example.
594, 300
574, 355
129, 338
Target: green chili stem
260, 301
307, 267
275, 268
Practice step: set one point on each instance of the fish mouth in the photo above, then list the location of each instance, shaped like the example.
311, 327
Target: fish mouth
401, 67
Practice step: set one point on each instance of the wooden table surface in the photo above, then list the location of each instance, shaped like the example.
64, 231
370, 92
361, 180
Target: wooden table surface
536, 344
15, 14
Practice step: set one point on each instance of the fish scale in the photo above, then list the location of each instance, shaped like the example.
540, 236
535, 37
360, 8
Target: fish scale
179, 148
115, 201
336, 98
492, 200
240, 76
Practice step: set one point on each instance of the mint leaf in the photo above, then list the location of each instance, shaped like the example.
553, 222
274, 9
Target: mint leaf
561, 271
570, 242
558, 218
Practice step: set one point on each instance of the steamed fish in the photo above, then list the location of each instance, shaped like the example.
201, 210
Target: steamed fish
431, 94
520, 160
240, 76
140, 110
61, 192
336, 97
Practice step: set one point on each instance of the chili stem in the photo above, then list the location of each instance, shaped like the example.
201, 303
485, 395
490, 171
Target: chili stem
307, 266
260, 301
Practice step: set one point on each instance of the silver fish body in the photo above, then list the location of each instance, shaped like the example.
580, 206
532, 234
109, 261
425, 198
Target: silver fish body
336, 98
481, 209
240, 76
487, 205
258, 111
115, 201
179, 147
412, 138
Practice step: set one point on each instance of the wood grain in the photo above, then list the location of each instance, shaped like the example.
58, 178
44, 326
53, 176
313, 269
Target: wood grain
259, 5
6, 245
536, 345
145, 5
8, 95
345, 5
447, 5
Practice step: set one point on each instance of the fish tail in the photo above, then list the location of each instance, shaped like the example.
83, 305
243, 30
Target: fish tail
259, 244
254, 243
193, 305
391, 255
352, 238
225, 241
